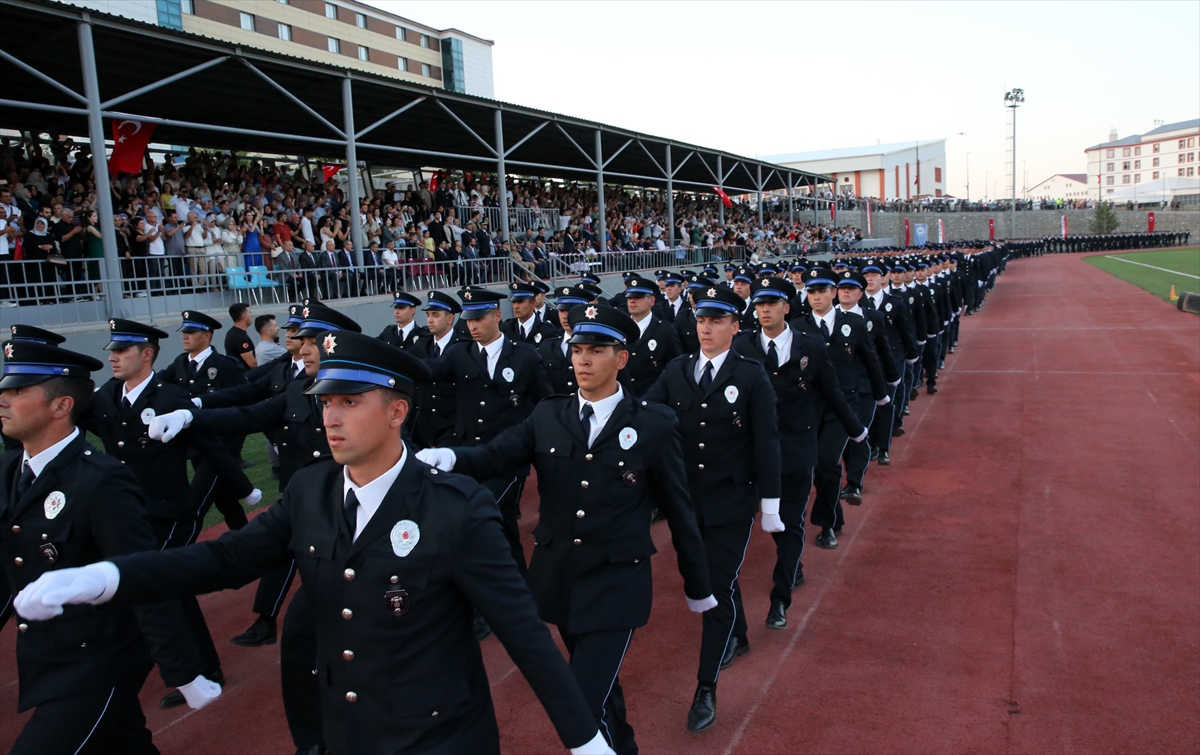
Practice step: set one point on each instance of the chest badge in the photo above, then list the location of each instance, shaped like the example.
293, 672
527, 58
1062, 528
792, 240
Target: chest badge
508, 374
147, 415
652, 344
870, 325
212, 373
846, 330
731, 393
627, 438
887, 307
537, 337
397, 601
54, 504
803, 362
405, 536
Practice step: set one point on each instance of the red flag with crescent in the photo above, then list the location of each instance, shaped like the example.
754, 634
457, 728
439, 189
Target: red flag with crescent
329, 170
725, 200
130, 139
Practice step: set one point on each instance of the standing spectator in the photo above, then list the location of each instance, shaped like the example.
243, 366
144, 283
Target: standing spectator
156, 252
195, 238
175, 250
8, 237
268, 348
237, 340
231, 243
139, 252
252, 248
69, 238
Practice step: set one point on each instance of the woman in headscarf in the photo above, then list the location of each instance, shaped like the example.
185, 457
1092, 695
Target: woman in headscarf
40, 274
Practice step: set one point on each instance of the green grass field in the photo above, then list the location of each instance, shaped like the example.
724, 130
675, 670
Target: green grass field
1154, 271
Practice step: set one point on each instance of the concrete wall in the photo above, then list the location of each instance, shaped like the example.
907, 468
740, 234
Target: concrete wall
1034, 224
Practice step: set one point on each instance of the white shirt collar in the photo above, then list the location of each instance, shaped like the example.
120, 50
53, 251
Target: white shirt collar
829, 318
297, 364
404, 331
717, 361
525, 326
444, 341
199, 358
783, 344
877, 298
39, 462
492, 354
644, 323
856, 309
132, 395
603, 410
371, 495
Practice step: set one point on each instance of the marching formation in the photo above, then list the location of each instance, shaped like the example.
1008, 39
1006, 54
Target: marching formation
702, 399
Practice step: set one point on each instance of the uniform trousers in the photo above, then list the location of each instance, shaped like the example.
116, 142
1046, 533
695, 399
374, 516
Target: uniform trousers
105, 721
827, 476
858, 455
946, 338
206, 484
954, 330
173, 534
880, 434
272, 589
789, 544
507, 492
725, 546
596, 659
929, 359
298, 672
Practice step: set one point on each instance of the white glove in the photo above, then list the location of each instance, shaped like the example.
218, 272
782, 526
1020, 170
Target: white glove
197, 402
770, 515
595, 746
920, 343
702, 605
200, 692
165, 427
44, 598
895, 383
252, 499
914, 360
884, 401
440, 458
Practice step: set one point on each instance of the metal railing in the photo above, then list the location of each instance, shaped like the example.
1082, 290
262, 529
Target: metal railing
560, 265
520, 219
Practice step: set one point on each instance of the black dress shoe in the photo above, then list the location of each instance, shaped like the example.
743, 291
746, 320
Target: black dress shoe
931, 390
826, 539
837, 531
261, 632
777, 616
884, 460
912, 395
799, 580
736, 646
874, 453
853, 495
843, 493
482, 629
941, 364
897, 432
703, 712
905, 413
951, 349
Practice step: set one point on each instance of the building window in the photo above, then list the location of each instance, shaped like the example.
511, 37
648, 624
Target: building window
1191, 171
425, 43
1181, 157
170, 14
333, 44
1137, 150
402, 63
1156, 162
363, 53
331, 11
1155, 176
1192, 142
1110, 178
188, 7
1137, 178
1137, 164
425, 71
1125, 179
1110, 167
937, 175
247, 21
1191, 157
1125, 165
1110, 153
1182, 143
1125, 152
400, 33
1156, 146
285, 32
1181, 172
360, 20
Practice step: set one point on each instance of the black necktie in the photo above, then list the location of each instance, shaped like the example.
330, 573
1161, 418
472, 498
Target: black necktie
825, 330
350, 511
706, 377
193, 367
585, 420
24, 482
125, 405
772, 356
437, 349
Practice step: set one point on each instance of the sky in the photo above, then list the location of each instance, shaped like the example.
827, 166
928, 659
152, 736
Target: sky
777, 77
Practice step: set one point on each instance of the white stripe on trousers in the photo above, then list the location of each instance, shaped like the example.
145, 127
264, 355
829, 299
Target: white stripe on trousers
604, 704
732, 602
98, 720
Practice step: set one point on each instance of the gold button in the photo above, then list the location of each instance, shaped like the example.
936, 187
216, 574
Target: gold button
22, 627
285, 428
347, 614
701, 467
120, 444
351, 697
701, 446
394, 579
349, 575
481, 422
18, 560
316, 454
584, 484
348, 654
16, 528
483, 403
588, 457
578, 541
312, 549
434, 714
579, 514
704, 406
701, 424
551, 450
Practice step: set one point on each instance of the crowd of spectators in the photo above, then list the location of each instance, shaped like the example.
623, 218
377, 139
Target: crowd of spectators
188, 220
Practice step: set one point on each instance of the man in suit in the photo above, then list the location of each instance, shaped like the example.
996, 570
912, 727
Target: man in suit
405, 333
435, 401
392, 573
287, 271
657, 343
80, 668
590, 570
726, 410
806, 386
524, 326
901, 341
353, 279
856, 364
312, 273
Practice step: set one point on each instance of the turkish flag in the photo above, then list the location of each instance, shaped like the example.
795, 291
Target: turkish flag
725, 200
433, 183
130, 139
907, 233
329, 170
991, 228
1149, 222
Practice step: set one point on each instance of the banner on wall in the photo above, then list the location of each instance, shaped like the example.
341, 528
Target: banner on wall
1064, 226
1150, 222
941, 231
991, 228
920, 234
907, 234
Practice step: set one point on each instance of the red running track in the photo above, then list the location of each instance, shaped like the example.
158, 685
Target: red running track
1024, 578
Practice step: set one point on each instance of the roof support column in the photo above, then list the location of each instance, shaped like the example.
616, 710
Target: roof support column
670, 200
502, 181
720, 185
356, 230
791, 201
600, 194
760, 212
108, 234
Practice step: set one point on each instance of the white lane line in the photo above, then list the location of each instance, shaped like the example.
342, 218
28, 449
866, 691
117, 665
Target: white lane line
1152, 267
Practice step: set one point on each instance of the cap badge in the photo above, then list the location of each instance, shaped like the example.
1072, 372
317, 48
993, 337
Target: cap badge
405, 536
186, 315
305, 313
8, 351
711, 293
627, 438
330, 343
53, 504
112, 324
731, 393
467, 296
590, 313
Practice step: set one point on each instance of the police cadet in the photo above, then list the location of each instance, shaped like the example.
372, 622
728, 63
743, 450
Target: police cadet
392, 554
672, 302
726, 410
436, 401
523, 326
901, 341
120, 413
498, 382
743, 277
857, 456
937, 316
199, 370
806, 386
857, 367
405, 332
685, 321
556, 352
30, 334
902, 274
657, 343
303, 442
604, 459
64, 504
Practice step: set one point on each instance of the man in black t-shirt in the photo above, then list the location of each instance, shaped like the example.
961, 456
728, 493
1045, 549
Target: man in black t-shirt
70, 244
237, 340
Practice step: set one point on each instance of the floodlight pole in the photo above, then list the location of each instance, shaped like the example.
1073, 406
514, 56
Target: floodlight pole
1013, 100
721, 203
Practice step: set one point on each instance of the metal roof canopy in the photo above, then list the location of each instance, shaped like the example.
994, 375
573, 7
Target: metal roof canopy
246, 99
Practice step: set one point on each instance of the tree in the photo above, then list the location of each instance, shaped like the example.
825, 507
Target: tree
1105, 219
